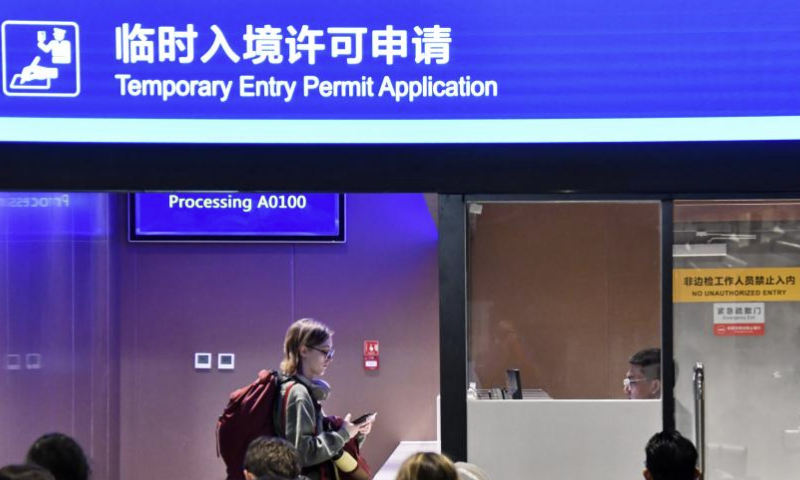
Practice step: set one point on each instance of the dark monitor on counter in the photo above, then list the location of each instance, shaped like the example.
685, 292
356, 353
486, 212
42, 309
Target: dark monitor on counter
513, 384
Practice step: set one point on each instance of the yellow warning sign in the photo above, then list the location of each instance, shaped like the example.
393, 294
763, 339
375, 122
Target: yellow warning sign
736, 285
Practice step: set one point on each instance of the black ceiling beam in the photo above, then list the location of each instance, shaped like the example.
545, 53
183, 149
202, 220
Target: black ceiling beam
762, 167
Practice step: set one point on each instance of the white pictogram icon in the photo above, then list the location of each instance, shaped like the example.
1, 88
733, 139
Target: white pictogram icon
60, 48
40, 58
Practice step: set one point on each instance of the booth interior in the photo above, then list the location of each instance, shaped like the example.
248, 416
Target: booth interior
100, 334
565, 293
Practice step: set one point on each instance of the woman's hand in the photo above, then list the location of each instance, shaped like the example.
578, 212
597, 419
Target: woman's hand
352, 429
366, 427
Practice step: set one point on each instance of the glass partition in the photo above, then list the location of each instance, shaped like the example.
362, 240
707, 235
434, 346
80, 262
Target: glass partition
737, 335
562, 297
56, 307
564, 292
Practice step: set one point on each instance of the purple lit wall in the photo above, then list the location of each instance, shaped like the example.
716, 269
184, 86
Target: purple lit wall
57, 340
181, 298
117, 325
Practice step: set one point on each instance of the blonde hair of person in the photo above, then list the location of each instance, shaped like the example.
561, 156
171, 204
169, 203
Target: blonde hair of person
305, 332
427, 466
468, 471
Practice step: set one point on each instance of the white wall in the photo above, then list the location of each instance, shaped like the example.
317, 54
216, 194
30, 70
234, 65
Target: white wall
561, 439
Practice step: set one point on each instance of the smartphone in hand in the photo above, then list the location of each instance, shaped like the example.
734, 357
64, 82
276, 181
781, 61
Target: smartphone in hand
363, 418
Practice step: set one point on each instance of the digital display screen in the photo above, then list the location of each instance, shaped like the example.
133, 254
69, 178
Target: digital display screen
236, 217
357, 71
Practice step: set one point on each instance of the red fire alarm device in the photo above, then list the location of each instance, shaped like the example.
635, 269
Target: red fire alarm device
371, 360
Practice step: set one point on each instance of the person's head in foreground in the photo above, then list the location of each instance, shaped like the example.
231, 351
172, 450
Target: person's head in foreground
468, 471
61, 455
24, 472
427, 466
670, 456
271, 457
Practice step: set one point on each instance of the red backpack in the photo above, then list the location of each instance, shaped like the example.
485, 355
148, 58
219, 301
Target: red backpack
247, 417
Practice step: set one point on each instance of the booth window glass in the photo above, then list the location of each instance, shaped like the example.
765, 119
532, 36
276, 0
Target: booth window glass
563, 292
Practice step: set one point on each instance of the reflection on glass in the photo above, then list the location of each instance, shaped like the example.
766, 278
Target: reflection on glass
54, 317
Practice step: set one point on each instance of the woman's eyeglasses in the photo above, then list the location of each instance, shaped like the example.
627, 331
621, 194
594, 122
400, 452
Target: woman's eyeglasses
328, 353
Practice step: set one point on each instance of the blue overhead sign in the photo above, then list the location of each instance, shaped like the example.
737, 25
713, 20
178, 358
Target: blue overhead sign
363, 61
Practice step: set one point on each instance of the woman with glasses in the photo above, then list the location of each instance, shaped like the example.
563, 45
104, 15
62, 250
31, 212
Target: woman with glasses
307, 354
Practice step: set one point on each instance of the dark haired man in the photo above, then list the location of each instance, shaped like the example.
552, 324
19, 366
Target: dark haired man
643, 380
61, 455
670, 456
271, 458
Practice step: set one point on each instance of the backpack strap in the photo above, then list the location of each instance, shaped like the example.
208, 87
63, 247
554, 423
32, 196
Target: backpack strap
294, 381
286, 404
322, 473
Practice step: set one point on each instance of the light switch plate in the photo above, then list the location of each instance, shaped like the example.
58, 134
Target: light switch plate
202, 360
13, 361
226, 361
33, 361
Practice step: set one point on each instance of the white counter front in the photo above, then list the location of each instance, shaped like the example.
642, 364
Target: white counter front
561, 439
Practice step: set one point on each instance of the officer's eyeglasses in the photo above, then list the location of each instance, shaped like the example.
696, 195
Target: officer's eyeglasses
628, 382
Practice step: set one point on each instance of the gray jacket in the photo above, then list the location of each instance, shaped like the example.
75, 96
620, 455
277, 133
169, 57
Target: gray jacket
300, 423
